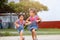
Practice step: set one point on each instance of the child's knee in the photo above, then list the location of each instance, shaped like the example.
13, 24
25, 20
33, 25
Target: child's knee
33, 30
21, 33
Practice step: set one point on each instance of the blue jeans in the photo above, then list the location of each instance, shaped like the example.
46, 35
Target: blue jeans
20, 28
33, 25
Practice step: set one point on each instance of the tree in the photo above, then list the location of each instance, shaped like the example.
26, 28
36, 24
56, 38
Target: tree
4, 7
24, 6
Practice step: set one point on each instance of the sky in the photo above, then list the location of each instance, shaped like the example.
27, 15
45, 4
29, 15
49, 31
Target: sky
13, 0
53, 13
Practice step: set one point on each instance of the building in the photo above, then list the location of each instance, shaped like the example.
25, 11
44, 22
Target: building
7, 19
49, 24
52, 14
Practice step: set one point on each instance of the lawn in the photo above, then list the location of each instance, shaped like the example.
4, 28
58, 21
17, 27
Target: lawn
42, 31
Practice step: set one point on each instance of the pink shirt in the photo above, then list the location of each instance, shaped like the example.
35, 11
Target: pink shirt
20, 22
34, 18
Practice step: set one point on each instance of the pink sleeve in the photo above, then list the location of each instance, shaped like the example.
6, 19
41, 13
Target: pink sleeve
24, 22
37, 17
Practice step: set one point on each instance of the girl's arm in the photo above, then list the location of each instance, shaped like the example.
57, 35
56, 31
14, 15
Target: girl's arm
27, 21
39, 20
16, 24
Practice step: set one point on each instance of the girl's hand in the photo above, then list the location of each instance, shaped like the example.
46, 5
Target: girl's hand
37, 20
28, 23
17, 26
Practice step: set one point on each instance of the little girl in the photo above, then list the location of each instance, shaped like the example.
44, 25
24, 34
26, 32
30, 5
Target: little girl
32, 21
20, 25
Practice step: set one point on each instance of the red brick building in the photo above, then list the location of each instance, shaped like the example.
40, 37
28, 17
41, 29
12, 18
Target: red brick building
49, 24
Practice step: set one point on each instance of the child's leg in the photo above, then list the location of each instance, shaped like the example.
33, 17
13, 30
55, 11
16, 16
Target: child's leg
21, 35
34, 34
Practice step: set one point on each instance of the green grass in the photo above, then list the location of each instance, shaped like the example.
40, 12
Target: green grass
45, 31
42, 29
7, 29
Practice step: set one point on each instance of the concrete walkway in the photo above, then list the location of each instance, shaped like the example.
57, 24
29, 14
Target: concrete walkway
40, 37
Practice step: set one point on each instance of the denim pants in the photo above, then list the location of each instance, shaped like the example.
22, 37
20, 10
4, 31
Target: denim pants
33, 25
20, 28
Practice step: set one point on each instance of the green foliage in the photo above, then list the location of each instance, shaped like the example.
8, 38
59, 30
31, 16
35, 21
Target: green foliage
24, 6
4, 7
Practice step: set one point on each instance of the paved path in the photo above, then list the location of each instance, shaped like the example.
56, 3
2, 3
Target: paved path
40, 37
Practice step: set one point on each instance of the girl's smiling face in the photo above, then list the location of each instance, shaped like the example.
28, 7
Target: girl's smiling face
21, 17
31, 13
